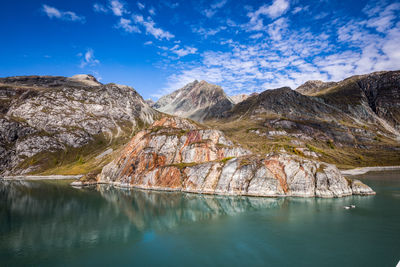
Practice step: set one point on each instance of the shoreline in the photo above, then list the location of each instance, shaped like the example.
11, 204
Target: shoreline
355, 171
364, 170
40, 177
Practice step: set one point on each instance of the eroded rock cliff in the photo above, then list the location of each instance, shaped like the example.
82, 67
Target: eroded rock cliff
176, 154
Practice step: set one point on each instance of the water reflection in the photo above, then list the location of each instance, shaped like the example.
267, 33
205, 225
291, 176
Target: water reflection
55, 215
160, 210
45, 221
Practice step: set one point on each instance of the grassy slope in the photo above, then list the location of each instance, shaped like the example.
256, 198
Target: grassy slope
381, 152
81, 160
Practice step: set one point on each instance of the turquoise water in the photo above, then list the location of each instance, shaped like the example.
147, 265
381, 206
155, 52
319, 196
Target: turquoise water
52, 224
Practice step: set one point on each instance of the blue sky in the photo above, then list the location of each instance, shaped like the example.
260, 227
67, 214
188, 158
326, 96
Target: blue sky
159, 46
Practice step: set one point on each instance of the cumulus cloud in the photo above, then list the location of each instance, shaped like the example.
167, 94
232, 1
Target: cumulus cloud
126, 24
299, 9
275, 10
256, 35
181, 52
214, 8
208, 32
117, 8
53, 12
99, 8
88, 59
150, 28
290, 55
385, 18
277, 29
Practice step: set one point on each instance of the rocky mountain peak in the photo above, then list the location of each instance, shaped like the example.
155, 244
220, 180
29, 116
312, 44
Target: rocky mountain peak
313, 86
86, 79
51, 81
239, 98
196, 100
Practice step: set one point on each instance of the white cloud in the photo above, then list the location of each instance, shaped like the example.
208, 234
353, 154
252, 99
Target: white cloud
150, 28
256, 35
141, 6
214, 8
181, 52
277, 28
89, 59
276, 9
291, 56
385, 18
53, 12
208, 32
321, 15
299, 9
117, 8
152, 11
126, 24
148, 43
99, 8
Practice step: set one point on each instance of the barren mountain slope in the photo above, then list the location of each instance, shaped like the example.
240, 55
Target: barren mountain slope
197, 100
47, 122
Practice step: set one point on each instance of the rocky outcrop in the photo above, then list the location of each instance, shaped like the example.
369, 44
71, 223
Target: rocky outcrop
150, 102
313, 87
176, 154
238, 98
197, 100
48, 114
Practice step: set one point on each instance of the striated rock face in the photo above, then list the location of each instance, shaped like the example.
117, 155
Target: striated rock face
176, 154
48, 114
370, 97
197, 100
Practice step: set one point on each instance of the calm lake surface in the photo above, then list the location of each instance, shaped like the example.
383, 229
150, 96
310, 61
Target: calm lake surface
49, 223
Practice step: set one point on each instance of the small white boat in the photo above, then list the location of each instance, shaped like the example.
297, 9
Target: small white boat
346, 207
353, 206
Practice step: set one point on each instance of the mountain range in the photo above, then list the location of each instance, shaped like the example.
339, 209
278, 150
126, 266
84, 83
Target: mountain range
76, 125
354, 122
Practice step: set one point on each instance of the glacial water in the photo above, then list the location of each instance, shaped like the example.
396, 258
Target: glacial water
49, 223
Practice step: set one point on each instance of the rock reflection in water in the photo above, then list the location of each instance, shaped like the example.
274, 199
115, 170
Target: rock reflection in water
55, 215
159, 210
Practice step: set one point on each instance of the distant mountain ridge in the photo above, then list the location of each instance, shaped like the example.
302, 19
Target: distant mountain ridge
314, 86
197, 100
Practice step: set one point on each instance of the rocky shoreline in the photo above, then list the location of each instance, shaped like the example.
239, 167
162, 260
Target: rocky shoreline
40, 177
364, 170
175, 154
